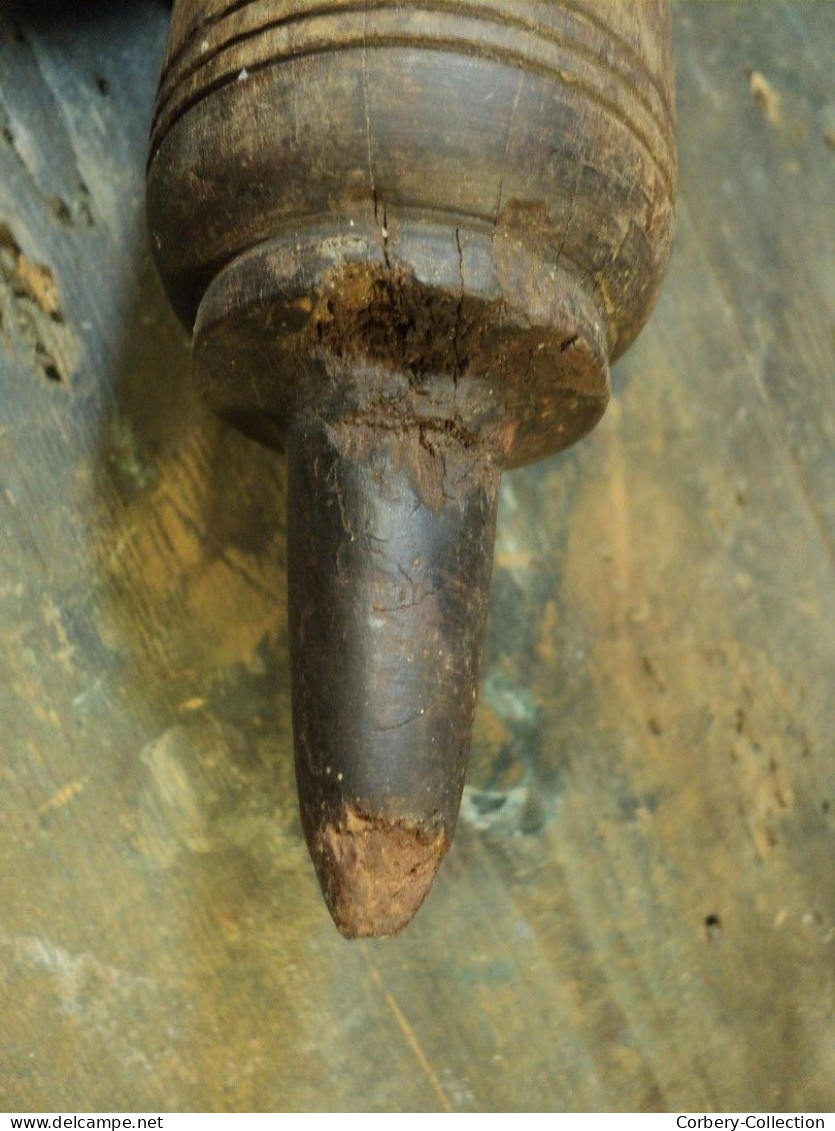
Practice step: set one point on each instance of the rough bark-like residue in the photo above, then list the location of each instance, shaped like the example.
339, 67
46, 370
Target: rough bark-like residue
375, 873
384, 316
397, 350
443, 466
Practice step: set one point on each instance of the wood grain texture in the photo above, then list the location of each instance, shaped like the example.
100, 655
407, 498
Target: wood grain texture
639, 911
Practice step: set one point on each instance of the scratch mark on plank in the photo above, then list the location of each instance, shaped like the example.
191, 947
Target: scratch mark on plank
411, 1038
62, 797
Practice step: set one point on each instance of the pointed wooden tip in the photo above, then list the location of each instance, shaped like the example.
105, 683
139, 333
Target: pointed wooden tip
376, 873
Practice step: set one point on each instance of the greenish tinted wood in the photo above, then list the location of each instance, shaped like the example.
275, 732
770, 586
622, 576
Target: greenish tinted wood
638, 911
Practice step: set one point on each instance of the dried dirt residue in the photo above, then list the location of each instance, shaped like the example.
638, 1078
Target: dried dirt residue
385, 317
444, 465
375, 873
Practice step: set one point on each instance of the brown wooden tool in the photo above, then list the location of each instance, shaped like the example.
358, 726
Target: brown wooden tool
409, 239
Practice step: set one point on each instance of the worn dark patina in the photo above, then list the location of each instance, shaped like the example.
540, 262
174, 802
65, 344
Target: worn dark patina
409, 239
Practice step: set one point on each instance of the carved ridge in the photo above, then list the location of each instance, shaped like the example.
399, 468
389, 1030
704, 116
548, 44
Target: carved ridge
170, 109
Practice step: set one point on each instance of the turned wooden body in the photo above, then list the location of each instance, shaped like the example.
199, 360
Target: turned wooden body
410, 239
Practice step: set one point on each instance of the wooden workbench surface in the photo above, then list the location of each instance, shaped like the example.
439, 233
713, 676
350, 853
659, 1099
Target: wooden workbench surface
639, 910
